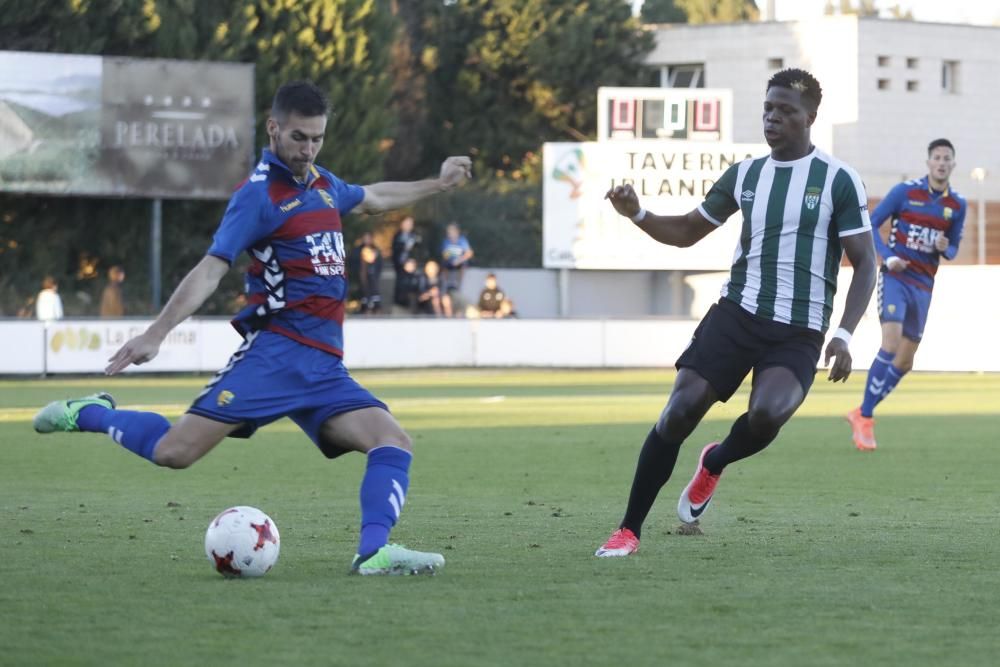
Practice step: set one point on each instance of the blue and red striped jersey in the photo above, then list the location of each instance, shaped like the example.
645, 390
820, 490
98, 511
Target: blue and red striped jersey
297, 282
919, 215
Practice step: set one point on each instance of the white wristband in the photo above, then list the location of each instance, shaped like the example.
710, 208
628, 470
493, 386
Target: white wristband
638, 217
843, 334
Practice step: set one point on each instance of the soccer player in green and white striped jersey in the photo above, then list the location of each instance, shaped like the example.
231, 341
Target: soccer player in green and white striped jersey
801, 209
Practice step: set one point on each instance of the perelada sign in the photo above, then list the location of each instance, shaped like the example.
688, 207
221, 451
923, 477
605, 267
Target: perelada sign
94, 125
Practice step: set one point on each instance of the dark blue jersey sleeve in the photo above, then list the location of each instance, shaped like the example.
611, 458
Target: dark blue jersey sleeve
888, 209
954, 234
346, 195
242, 225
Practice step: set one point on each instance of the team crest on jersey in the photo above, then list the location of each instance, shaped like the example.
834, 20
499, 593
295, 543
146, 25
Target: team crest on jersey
812, 197
225, 398
327, 251
327, 199
948, 212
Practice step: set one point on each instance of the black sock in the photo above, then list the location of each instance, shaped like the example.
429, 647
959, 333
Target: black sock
739, 444
656, 462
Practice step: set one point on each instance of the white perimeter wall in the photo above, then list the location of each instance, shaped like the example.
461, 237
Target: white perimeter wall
960, 336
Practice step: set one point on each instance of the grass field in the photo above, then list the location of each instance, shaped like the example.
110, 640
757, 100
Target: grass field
813, 553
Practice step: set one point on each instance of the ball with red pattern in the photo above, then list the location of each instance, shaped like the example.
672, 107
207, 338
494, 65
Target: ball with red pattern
242, 542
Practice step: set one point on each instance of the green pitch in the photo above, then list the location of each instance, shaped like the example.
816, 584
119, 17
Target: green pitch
813, 553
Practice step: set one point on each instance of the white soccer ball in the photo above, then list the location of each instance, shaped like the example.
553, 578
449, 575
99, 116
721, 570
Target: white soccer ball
242, 542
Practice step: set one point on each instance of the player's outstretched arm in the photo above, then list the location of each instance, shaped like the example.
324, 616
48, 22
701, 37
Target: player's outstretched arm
389, 195
676, 230
197, 286
860, 249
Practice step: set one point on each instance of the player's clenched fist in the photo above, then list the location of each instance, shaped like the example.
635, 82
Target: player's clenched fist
455, 171
624, 199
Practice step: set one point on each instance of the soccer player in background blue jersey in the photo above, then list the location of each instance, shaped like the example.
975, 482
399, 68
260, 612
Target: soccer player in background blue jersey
287, 217
927, 218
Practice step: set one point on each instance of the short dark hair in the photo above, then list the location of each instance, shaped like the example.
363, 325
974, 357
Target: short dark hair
800, 80
301, 97
937, 143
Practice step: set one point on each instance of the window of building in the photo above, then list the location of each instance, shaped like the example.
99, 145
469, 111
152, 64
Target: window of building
775, 63
883, 61
883, 84
912, 63
651, 77
686, 76
949, 76
912, 86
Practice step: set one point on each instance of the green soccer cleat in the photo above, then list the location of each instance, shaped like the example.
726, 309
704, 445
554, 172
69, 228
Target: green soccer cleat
62, 415
397, 559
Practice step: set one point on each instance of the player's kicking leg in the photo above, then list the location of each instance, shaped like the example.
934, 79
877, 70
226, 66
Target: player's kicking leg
64, 415
146, 434
375, 432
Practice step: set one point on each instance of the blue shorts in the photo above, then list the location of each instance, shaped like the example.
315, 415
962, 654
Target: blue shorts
902, 302
272, 376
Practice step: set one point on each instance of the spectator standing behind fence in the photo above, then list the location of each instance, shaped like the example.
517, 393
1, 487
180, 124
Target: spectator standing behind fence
404, 241
406, 295
370, 272
490, 298
455, 255
48, 303
431, 301
112, 301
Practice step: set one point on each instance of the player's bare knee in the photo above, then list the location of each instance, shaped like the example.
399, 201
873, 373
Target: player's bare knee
171, 458
171, 455
399, 438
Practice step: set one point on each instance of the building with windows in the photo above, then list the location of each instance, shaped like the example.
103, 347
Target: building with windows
889, 87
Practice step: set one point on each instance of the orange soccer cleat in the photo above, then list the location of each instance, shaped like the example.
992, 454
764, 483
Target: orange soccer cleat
622, 542
863, 430
697, 494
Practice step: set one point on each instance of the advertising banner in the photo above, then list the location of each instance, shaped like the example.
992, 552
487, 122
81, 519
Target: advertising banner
580, 228
86, 346
106, 126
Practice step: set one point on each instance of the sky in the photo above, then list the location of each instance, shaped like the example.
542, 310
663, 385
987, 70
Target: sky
978, 12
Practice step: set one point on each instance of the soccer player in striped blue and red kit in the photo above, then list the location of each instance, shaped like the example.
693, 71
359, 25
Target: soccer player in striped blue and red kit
927, 218
287, 217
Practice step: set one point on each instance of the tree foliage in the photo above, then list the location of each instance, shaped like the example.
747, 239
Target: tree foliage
847, 7
866, 8
718, 11
504, 76
662, 11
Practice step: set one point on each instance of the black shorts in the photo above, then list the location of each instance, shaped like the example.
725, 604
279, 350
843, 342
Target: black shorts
730, 341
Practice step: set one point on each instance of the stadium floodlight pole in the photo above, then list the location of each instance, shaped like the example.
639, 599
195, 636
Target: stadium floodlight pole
979, 175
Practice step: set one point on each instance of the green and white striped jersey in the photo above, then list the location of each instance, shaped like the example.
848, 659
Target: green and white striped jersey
794, 214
